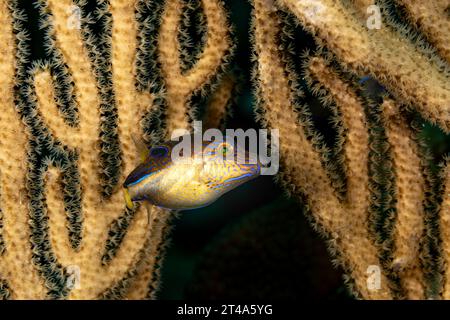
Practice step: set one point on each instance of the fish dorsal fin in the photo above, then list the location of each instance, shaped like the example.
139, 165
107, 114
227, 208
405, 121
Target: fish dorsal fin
142, 148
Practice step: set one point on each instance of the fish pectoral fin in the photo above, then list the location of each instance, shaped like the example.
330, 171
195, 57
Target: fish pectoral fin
141, 147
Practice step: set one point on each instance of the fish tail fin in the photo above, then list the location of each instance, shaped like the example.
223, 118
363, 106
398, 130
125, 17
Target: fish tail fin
127, 198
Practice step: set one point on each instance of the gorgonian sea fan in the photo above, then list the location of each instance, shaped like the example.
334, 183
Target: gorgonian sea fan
136, 67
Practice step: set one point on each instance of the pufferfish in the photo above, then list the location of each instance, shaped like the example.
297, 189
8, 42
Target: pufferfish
207, 174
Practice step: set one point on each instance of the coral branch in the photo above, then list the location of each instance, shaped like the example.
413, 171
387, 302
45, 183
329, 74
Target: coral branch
356, 145
445, 226
80, 106
16, 251
302, 168
403, 258
192, 34
70, 149
219, 103
180, 86
394, 60
431, 17
410, 193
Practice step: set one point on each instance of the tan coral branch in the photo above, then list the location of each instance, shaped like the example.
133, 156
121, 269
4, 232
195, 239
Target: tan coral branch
390, 57
410, 193
432, 18
219, 102
97, 217
301, 163
13, 202
356, 146
445, 226
180, 86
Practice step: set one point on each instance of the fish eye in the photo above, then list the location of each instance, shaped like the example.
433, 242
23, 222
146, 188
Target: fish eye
224, 149
158, 152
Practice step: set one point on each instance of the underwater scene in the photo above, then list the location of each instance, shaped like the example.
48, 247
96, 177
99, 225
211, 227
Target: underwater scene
214, 150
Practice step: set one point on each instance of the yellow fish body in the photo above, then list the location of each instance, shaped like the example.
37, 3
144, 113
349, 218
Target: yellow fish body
195, 182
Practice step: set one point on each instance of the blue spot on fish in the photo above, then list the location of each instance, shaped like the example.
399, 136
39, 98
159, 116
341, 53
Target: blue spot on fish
364, 79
